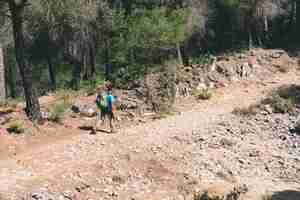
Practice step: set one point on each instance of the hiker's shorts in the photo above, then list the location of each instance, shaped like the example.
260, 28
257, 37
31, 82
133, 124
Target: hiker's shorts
105, 112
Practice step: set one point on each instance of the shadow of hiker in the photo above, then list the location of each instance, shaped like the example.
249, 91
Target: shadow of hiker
286, 195
86, 128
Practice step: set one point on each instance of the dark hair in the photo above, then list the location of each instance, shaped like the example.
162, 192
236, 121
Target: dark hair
109, 86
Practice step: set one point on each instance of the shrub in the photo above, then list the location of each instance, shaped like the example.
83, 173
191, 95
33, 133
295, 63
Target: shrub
279, 104
251, 110
11, 103
282, 100
290, 92
203, 94
89, 86
65, 95
266, 197
58, 111
16, 127
205, 59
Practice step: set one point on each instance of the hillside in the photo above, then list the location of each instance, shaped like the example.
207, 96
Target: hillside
224, 145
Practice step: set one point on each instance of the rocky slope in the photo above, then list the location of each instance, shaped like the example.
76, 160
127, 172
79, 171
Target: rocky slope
206, 148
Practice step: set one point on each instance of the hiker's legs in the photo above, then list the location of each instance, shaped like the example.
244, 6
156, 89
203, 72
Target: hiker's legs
102, 117
98, 118
111, 118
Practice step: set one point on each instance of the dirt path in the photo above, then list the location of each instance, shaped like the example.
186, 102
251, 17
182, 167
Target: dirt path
155, 160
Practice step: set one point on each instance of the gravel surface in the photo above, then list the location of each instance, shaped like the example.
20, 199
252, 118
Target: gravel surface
168, 158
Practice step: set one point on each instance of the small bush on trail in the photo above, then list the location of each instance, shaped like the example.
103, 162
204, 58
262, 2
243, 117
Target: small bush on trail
266, 197
203, 94
10, 103
58, 111
279, 104
290, 92
281, 100
16, 127
251, 110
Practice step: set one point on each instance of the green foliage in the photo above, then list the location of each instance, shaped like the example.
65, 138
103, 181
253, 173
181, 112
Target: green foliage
135, 36
16, 127
291, 92
203, 59
89, 86
126, 75
231, 3
203, 94
282, 100
280, 105
157, 27
139, 38
11, 103
58, 111
63, 75
147, 30
65, 95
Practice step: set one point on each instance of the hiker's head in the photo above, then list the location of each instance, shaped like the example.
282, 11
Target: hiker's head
108, 86
99, 89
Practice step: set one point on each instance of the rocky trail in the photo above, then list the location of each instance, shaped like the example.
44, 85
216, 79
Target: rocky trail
165, 159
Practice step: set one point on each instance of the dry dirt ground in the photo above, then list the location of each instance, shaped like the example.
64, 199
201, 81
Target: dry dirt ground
163, 159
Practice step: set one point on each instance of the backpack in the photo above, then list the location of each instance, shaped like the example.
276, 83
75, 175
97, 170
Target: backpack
101, 101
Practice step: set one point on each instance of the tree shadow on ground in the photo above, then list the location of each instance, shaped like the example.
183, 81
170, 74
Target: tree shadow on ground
286, 195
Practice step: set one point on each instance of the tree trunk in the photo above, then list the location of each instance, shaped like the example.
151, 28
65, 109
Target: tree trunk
2, 76
85, 66
107, 60
180, 60
92, 62
185, 56
51, 72
250, 39
72, 58
76, 76
11, 68
297, 13
32, 103
292, 18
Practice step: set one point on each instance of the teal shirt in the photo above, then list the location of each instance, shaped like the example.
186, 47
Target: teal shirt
110, 101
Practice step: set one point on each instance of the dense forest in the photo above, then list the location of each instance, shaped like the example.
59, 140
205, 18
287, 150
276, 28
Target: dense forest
48, 45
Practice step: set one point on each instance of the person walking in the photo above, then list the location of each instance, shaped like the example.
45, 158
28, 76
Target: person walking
111, 108
105, 102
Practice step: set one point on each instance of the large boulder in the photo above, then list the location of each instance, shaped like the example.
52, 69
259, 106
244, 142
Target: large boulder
42, 195
84, 110
87, 111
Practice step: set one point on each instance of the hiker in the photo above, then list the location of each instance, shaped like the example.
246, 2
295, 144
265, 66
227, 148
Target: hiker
105, 102
101, 104
111, 108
